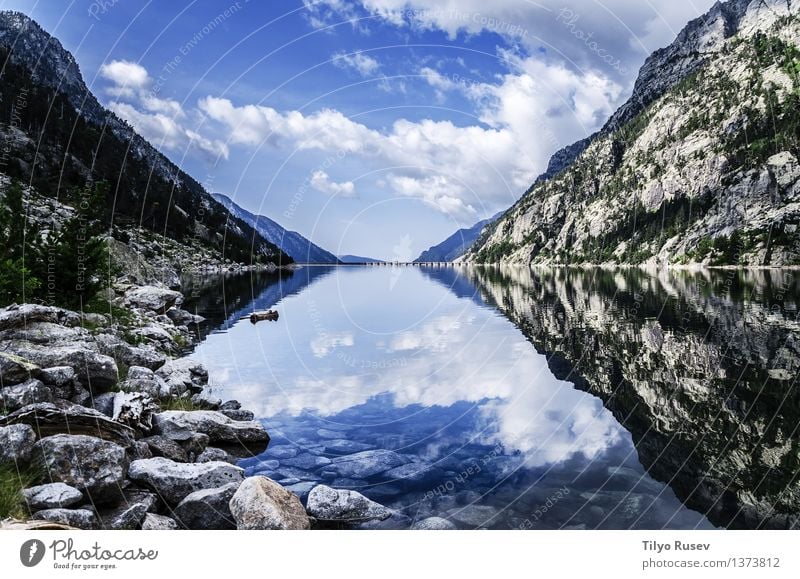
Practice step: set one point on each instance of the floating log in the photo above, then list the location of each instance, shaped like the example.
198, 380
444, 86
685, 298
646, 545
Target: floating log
270, 315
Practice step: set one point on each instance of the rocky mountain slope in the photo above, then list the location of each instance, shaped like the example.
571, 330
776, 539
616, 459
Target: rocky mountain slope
699, 166
299, 248
457, 244
58, 138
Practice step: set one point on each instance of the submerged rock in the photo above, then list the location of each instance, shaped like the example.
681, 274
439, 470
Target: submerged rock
173, 481
261, 503
433, 524
344, 506
366, 464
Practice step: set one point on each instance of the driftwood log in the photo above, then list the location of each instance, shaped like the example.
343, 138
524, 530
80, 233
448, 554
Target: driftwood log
255, 317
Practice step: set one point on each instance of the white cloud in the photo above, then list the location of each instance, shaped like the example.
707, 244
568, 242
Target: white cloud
363, 64
159, 120
125, 73
325, 344
322, 182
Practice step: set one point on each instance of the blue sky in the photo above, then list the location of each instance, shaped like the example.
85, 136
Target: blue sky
373, 127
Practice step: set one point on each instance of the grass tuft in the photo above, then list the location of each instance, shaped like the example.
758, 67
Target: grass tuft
12, 481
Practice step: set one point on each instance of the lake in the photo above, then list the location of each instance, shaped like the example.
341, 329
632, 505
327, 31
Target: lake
515, 398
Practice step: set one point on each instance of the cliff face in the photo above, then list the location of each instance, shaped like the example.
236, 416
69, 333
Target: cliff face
700, 165
700, 368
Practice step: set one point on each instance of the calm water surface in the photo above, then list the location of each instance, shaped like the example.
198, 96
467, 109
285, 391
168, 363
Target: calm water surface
502, 398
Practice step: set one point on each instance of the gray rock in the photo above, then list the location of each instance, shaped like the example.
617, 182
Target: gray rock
398, 521
30, 392
62, 416
183, 318
366, 464
242, 415
151, 386
59, 376
135, 409
433, 524
134, 356
195, 445
51, 496
18, 316
78, 518
95, 370
154, 522
231, 405
152, 298
208, 400
140, 373
141, 450
166, 447
181, 376
221, 430
302, 489
207, 509
16, 443
94, 466
104, 403
211, 454
344, 506
15, 369
126, 517
173, 481
261, 503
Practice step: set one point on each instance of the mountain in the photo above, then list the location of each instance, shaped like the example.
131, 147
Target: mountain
358, 259
295, 245
60, 141
700, 165
457, 244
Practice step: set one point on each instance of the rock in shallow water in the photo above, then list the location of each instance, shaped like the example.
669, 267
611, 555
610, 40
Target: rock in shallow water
433, 524
94, 466
16, 443
261, 503
344, 506
173, 481
51, 496
207, 509
366, 464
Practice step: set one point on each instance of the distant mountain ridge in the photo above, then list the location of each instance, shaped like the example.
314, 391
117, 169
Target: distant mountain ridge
699, 166
295, 245
457, 244
62, 138
358, 259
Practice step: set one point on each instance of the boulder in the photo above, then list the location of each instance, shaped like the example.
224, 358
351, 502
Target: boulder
104, 403
211, 454
59, 376
221, 430
195, 445
231, 405
140, 373
119, 349
166, 447
181, 317
95, 370
30, 392
261, 503
343, 506
366, 464
242, 415
92, 465
15, 369
61, 416
51, 496
16, 443
153, 386
173, 481
126, 517
17, 316
433, 524
154, 522
154, 299
181, 376
207, 509
207, 399
77, 518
